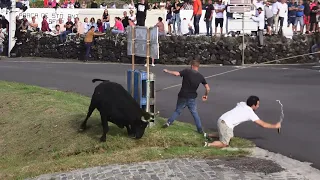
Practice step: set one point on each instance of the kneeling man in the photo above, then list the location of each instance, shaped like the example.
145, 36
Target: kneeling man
241, 113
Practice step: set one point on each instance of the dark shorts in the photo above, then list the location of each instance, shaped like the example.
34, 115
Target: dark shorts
291, 20
219, 21
270, 21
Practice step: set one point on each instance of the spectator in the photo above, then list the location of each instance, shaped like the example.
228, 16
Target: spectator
292, 14
258, 4
77, 4
176, 16
86, 25
45, 24
94, 4
93, 23
187, 6
83, 5
219, 8
33, 25
306, 17
186, 27
208, 17
197, 12
118, 26
61, 24
1, 40
106, 19
103, 5
78, 26
125, 20
132, 17
313, 17
160, 26
169, 21
299, 16
275, 11
100, 26
260, 20
269, 16
142, 8
69, 26
283, 9
156, 6
131, 23
57, 31
25, 23
70, 5
4, 23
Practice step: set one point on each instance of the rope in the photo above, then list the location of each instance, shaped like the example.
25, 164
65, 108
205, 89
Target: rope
244, 67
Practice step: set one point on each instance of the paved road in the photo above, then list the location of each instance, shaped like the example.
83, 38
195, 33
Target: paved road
297, 88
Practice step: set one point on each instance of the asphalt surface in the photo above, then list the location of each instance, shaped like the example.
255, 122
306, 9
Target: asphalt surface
297, 87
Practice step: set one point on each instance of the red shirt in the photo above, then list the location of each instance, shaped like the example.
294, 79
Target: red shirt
44, 26
197, 7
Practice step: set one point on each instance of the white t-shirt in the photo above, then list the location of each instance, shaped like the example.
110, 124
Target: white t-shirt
275, 7
241, 113
185, 26
283, 9
219, 14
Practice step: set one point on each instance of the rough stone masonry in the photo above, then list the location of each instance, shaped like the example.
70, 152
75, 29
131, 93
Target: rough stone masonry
173, 49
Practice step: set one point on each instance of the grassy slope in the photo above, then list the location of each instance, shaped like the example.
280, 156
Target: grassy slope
39, 135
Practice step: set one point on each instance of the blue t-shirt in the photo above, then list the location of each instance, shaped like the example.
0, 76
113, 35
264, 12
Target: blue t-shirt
292, 13
300, 13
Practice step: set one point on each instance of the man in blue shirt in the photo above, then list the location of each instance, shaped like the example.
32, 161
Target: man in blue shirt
299, 16
292, 6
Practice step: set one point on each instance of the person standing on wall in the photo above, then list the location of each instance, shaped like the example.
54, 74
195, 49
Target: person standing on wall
175, 8
142, 8
219, 8
283, 13
188, 93
197, 12
208, 17
261, 23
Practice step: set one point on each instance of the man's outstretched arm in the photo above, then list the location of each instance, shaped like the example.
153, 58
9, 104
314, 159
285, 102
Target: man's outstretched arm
175, 73
268, 125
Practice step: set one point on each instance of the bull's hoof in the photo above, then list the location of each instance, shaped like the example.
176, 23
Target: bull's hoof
103, 139
82, 128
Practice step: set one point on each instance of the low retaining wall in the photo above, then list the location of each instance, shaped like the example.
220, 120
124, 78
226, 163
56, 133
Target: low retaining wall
175, 49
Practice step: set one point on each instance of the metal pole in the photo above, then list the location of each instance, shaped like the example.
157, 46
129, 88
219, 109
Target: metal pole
148, 71
243, 39
12, 26
132, 58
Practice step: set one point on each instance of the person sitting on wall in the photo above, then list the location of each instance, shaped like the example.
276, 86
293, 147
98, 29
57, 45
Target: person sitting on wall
33, 25
57, 30
118, 26
69, 25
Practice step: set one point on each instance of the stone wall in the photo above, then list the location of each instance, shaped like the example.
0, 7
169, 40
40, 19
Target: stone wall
174, 49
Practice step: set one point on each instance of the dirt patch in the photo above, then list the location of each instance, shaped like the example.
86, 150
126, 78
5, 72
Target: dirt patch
250, 164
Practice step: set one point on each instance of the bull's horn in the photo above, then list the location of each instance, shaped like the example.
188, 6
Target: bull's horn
143, 119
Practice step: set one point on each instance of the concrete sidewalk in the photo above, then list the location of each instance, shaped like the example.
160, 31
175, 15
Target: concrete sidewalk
261, 165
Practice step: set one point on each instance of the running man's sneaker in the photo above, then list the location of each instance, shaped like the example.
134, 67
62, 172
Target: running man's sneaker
166, 125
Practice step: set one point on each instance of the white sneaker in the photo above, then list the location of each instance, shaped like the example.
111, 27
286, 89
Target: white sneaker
153, 65
145, 65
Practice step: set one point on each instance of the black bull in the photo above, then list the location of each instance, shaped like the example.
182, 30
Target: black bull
116, 105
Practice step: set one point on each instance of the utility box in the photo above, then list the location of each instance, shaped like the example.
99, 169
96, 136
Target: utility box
137, 87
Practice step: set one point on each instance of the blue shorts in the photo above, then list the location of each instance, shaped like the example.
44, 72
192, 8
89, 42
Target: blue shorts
292, 20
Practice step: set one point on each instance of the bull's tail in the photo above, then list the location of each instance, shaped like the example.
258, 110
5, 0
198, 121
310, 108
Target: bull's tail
94, 80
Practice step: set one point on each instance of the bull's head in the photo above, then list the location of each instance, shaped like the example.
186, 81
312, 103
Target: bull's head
145, 119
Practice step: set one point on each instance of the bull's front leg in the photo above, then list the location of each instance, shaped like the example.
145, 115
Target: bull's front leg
105, 127
130, 132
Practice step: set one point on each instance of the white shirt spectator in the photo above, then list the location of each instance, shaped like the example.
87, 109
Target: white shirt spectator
275, 7
283, 10
219, 14
185, 26
241, 113
86, 27
260, 20
133, 17
257, 5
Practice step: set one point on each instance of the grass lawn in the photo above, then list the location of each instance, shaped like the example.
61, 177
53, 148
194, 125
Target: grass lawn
39, 134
